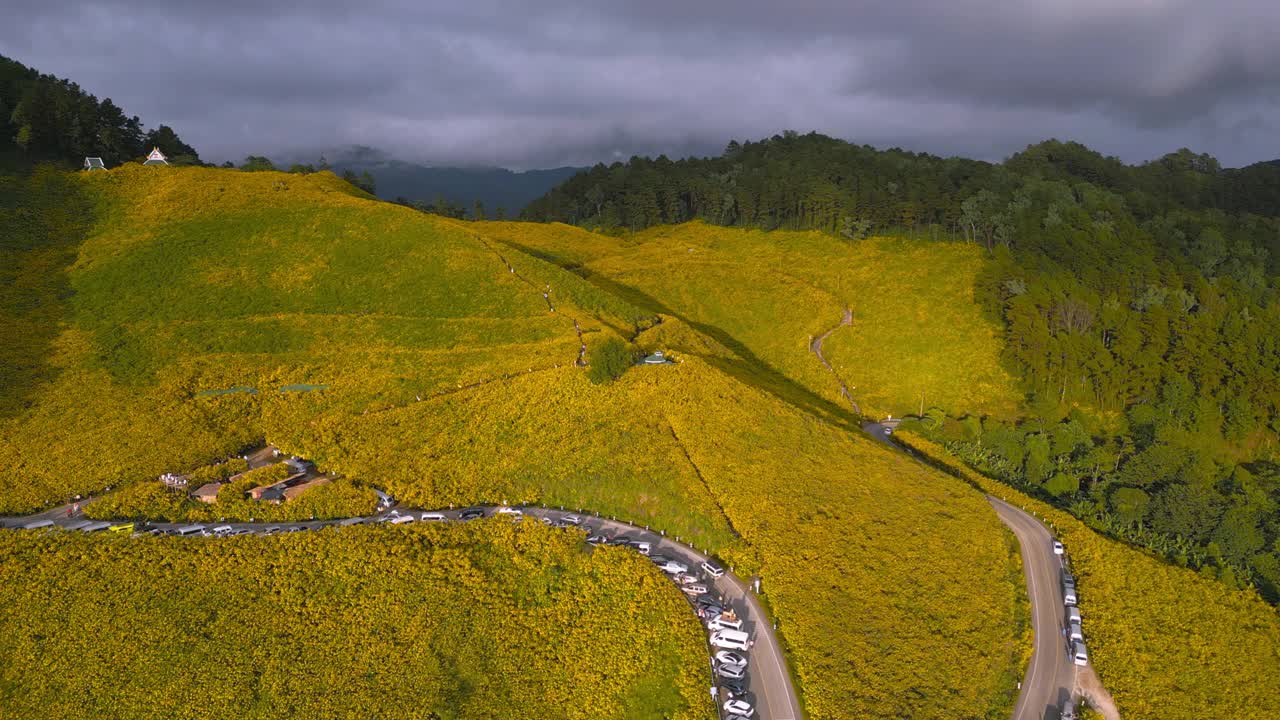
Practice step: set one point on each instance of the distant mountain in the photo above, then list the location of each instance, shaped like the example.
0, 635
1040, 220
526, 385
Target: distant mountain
495, 187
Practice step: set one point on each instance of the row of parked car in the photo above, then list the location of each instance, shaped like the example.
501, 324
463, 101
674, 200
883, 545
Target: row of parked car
1073, 629
727, 638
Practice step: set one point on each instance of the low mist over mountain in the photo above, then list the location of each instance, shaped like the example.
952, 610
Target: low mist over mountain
495, 187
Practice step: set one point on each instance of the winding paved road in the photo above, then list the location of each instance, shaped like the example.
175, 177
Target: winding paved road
769, 685
1050, 678
1051, 675
1047, 686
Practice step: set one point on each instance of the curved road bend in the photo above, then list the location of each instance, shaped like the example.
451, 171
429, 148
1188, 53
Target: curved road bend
769, 681
769, 686
1050, 676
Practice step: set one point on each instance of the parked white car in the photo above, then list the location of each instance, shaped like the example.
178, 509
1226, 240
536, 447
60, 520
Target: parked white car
668, 565
712, 570
693, 590
734, 672
222, 530
513, 512
433, 516
641, 547
1057, 548
737, 706
401, 519
729, 657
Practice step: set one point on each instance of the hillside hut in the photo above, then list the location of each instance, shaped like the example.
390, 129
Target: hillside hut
657, 359
208, 492
94, 163
297, 490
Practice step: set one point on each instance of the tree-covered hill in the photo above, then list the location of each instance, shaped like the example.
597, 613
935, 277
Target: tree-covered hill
50, 119
811, 181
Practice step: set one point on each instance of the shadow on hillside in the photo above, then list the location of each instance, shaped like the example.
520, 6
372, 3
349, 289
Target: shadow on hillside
746, 366
44, 217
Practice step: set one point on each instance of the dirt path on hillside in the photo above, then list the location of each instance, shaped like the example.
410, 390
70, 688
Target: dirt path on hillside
815, 346
1089, 686
581, 360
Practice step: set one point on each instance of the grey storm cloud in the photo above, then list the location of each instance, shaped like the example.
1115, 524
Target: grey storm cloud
555, 82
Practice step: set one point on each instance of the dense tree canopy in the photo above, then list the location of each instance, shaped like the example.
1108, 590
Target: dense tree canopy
45, 118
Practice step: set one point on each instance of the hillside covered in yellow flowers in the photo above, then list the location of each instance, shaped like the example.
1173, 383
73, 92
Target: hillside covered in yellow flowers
436, 361
432, 621
183, 315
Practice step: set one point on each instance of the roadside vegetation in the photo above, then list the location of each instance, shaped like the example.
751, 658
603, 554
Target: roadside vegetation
444, 621
1167, 641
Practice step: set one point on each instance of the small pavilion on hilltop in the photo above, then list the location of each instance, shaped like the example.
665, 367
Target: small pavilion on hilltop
94, 163
156, 158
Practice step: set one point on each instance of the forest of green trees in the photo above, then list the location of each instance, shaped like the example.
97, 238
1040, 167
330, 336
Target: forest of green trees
1140, 308
48, 119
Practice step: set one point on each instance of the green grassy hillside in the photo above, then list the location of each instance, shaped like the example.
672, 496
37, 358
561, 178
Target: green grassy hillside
449, 379
917, 331
837, 526
195, 280
446, 621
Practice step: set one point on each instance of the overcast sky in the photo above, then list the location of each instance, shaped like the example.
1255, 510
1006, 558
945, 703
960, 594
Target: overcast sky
539, 83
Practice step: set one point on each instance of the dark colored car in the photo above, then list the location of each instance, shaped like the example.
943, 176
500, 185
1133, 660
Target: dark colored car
471, 514
734, 686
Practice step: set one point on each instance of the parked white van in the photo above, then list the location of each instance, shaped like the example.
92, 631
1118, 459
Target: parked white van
1075, 632
190, 530
730, 639
1069, 595
1079, 655
1073, 615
